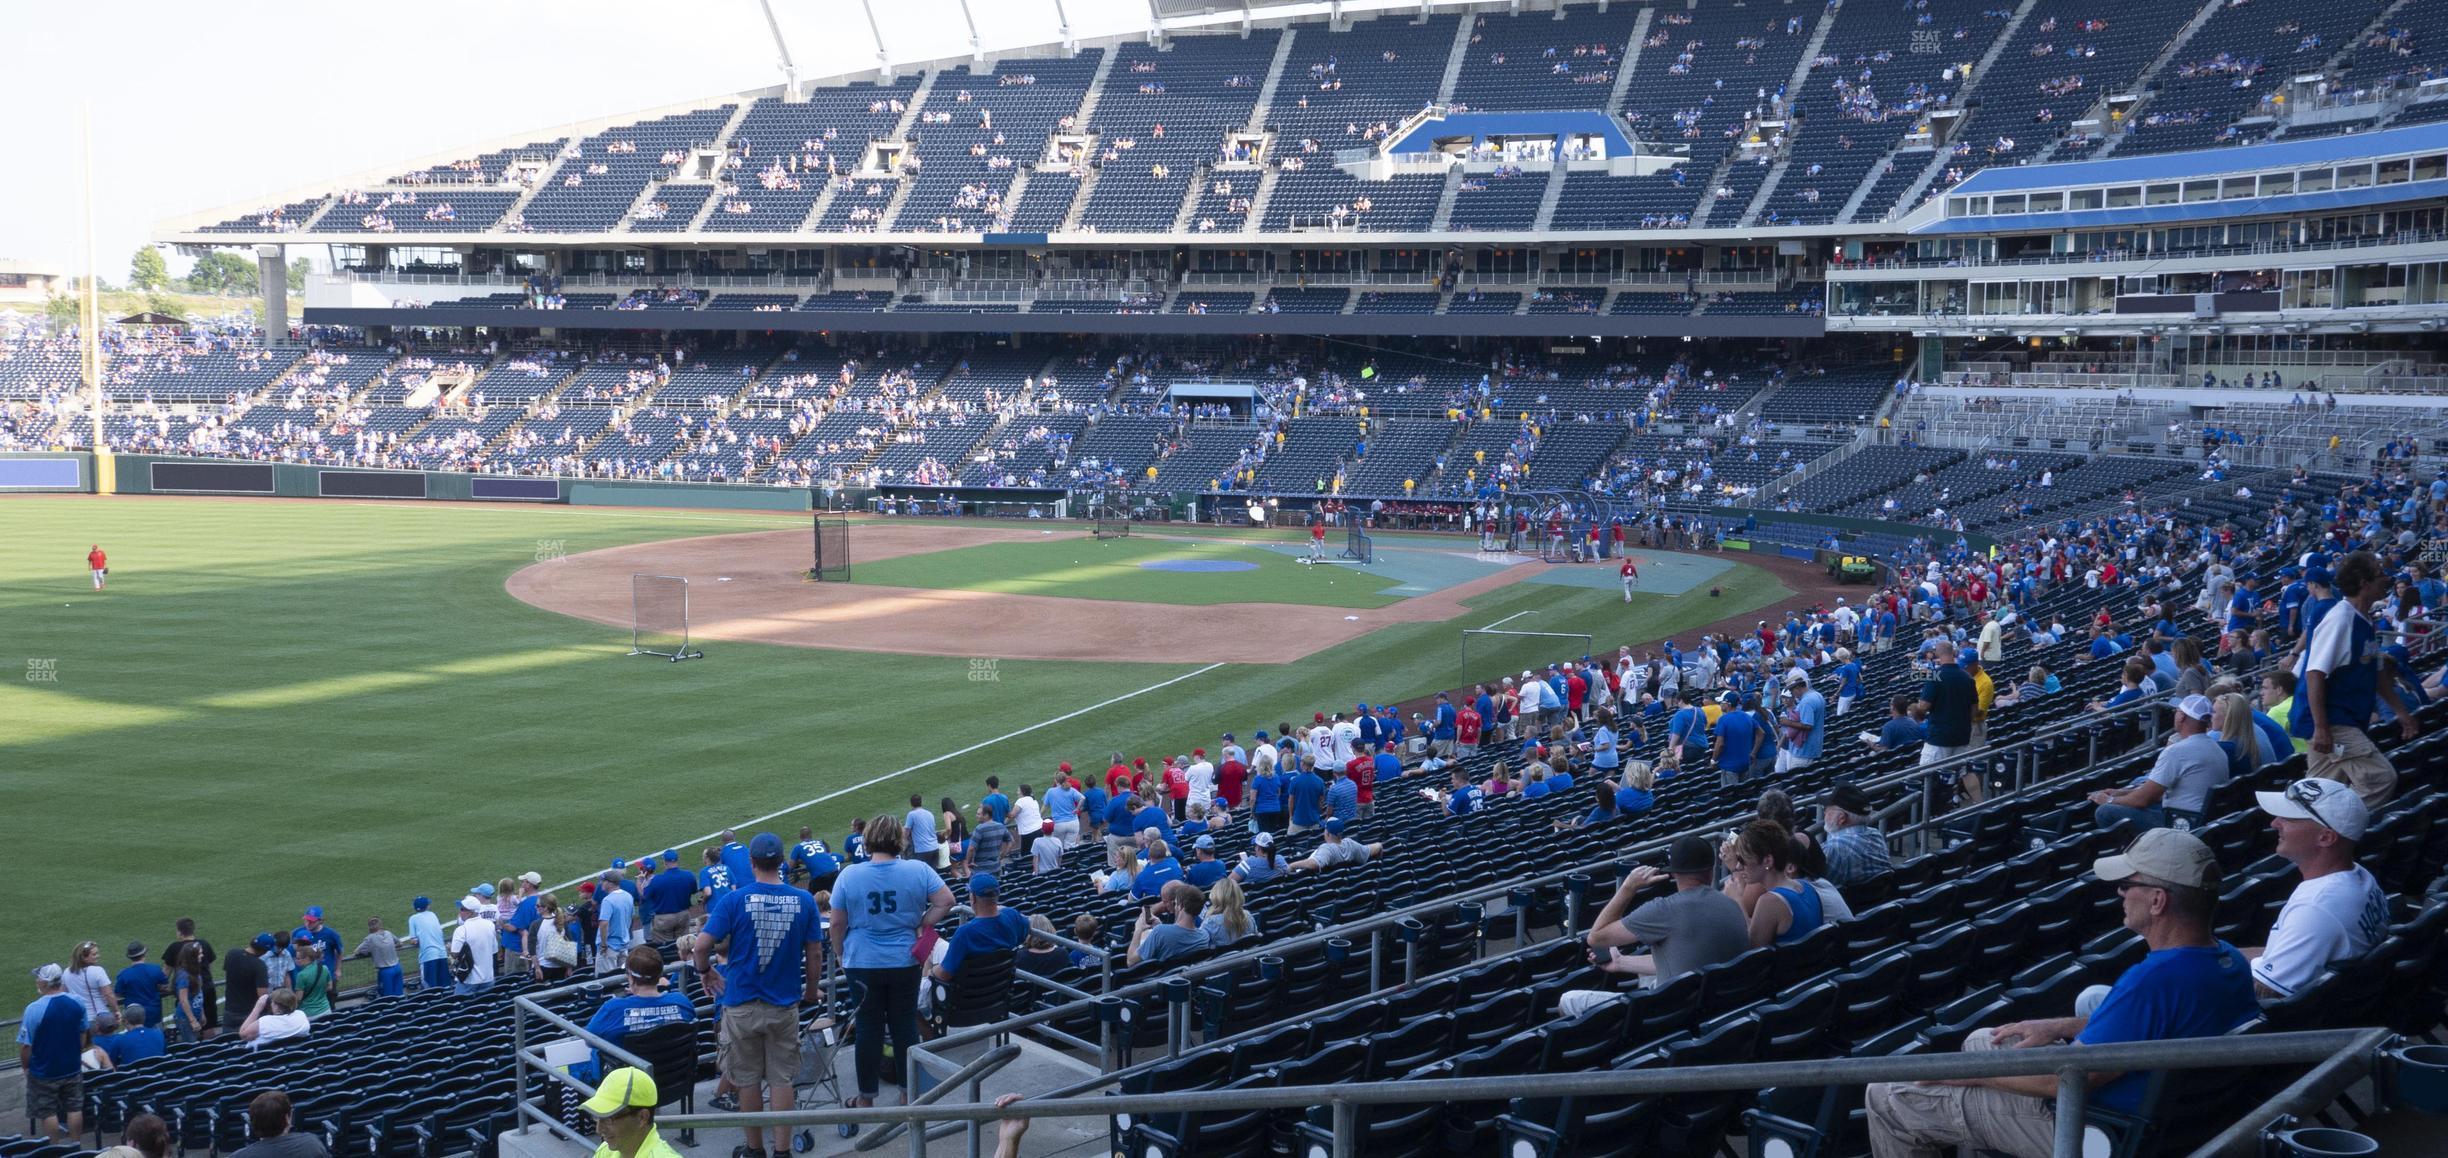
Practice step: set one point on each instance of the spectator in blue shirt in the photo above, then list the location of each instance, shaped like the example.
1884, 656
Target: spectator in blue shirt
1901, 731
1306, 792
50, 1038
2189, 985
920, 824
812, 861
1463, 798
1342, 796
1161, 869
323, 935
643, 1006
1738, 744
142, 983
1170, 927
1206, 870
1118, 813
1062, 805
991, 928
877, 909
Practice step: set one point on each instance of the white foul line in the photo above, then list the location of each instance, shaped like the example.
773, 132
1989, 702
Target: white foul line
1509, 619
838, 793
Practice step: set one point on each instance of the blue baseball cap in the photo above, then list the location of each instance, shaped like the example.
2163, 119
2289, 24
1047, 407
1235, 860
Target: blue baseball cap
984, 885
484, 890
620, 862
1335, 825
263, 941
421, 903
1203, 842
671, 856
314, 912
765, 846
1262, 733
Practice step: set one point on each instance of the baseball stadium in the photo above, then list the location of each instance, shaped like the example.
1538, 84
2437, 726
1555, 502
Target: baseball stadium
1707, 578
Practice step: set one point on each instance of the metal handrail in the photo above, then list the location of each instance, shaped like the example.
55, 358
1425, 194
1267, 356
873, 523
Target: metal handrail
2252, 1050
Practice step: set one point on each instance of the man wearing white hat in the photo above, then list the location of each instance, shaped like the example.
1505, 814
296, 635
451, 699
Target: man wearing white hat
477, 937
2189, 985
2339, 911
50, 1039
2180, 782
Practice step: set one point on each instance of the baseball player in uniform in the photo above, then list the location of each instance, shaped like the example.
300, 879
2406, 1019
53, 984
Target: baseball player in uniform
1631, 578
1317, 539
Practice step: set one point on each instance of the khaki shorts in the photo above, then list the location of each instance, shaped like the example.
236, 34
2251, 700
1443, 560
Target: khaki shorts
760, 1044
667, 926
2353, 760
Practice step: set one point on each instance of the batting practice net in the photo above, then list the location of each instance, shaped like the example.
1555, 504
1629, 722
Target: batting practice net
832, 535
1110, 511
659, 621
1358, 547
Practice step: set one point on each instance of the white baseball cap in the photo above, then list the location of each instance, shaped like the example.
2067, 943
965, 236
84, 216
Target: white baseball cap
2197, 707
2179, 858
2330, 804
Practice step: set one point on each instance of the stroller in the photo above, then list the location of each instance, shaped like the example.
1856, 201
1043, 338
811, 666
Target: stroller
817, 1085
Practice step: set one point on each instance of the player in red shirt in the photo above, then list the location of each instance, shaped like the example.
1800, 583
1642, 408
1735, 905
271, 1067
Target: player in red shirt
1631, 578
1177, 790
1317, 539
1466, 729
1117, 776
1362, 768
100, 563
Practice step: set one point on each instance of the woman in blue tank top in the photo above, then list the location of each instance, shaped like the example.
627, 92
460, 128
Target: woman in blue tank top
1786, 909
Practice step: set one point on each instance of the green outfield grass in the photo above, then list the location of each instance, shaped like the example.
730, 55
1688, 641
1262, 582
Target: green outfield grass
280, 703
1072, 564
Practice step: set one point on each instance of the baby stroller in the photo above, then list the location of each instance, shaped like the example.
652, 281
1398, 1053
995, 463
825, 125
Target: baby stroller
817, 1085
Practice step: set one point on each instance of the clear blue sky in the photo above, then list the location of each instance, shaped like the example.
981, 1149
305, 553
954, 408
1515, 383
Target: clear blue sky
199, 105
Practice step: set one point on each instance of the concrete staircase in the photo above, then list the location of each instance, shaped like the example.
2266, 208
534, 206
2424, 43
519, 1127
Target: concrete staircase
1096, 89
1936, 162
1258, 200
1793, 97
1631, 60
1274, 76
900, 132
1190, 199
1445, 200
553, 169
1554, 194
1459, 55
2141, 81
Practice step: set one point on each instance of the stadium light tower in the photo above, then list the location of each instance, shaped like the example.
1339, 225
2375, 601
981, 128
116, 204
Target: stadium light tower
1155, 24
884, 68
790, 71
1062, 21
977, 48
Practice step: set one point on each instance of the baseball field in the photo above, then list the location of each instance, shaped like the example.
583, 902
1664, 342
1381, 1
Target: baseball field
279, 703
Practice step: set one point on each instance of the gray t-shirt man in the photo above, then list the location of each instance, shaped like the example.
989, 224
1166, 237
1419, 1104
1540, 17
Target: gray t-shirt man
2187, 770
1689, 929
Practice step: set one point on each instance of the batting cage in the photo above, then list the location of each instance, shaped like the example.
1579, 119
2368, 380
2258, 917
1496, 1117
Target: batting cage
832, 535
659, 619
1358, 547
1110, 511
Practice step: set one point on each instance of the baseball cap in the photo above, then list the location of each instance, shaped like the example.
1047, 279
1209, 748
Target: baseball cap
469, 904
1263, 840
984, 884
1203, 842
1320, 717
1138, 761
2197, 707
1690, 854
765, 846
671, 856
1796, 676
1228, 735
263, 941
1262, 733
1064, 767
2327, 803
135, 951
586, 888
626, 1088
608, 875
620, 862
530, 877
1335, 826
49, 974
1849, 797
314, 912
421, 904
1201, 753
2179, 858
484, 890
2320, 575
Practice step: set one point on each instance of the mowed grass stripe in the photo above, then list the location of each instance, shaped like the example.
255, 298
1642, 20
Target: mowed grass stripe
282, 703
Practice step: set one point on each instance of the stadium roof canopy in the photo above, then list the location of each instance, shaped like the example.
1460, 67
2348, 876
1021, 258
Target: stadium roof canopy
2354, 147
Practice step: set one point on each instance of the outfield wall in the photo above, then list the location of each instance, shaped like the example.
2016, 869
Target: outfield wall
72, 472
62, 472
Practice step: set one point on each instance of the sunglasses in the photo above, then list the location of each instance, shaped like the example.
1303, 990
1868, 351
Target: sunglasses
2307, 794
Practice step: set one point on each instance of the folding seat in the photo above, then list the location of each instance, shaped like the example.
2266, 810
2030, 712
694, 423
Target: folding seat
1605, 1126
1471, 1126
1669, 1009
1940, 964
1199, 1070
1873, 931
1491, 1021
1409, 1046
1796, 1026
1870, 998
1223, 1134
1577, 1043
1270, 1049
1356, 1022
1691, 1125
1740, 981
